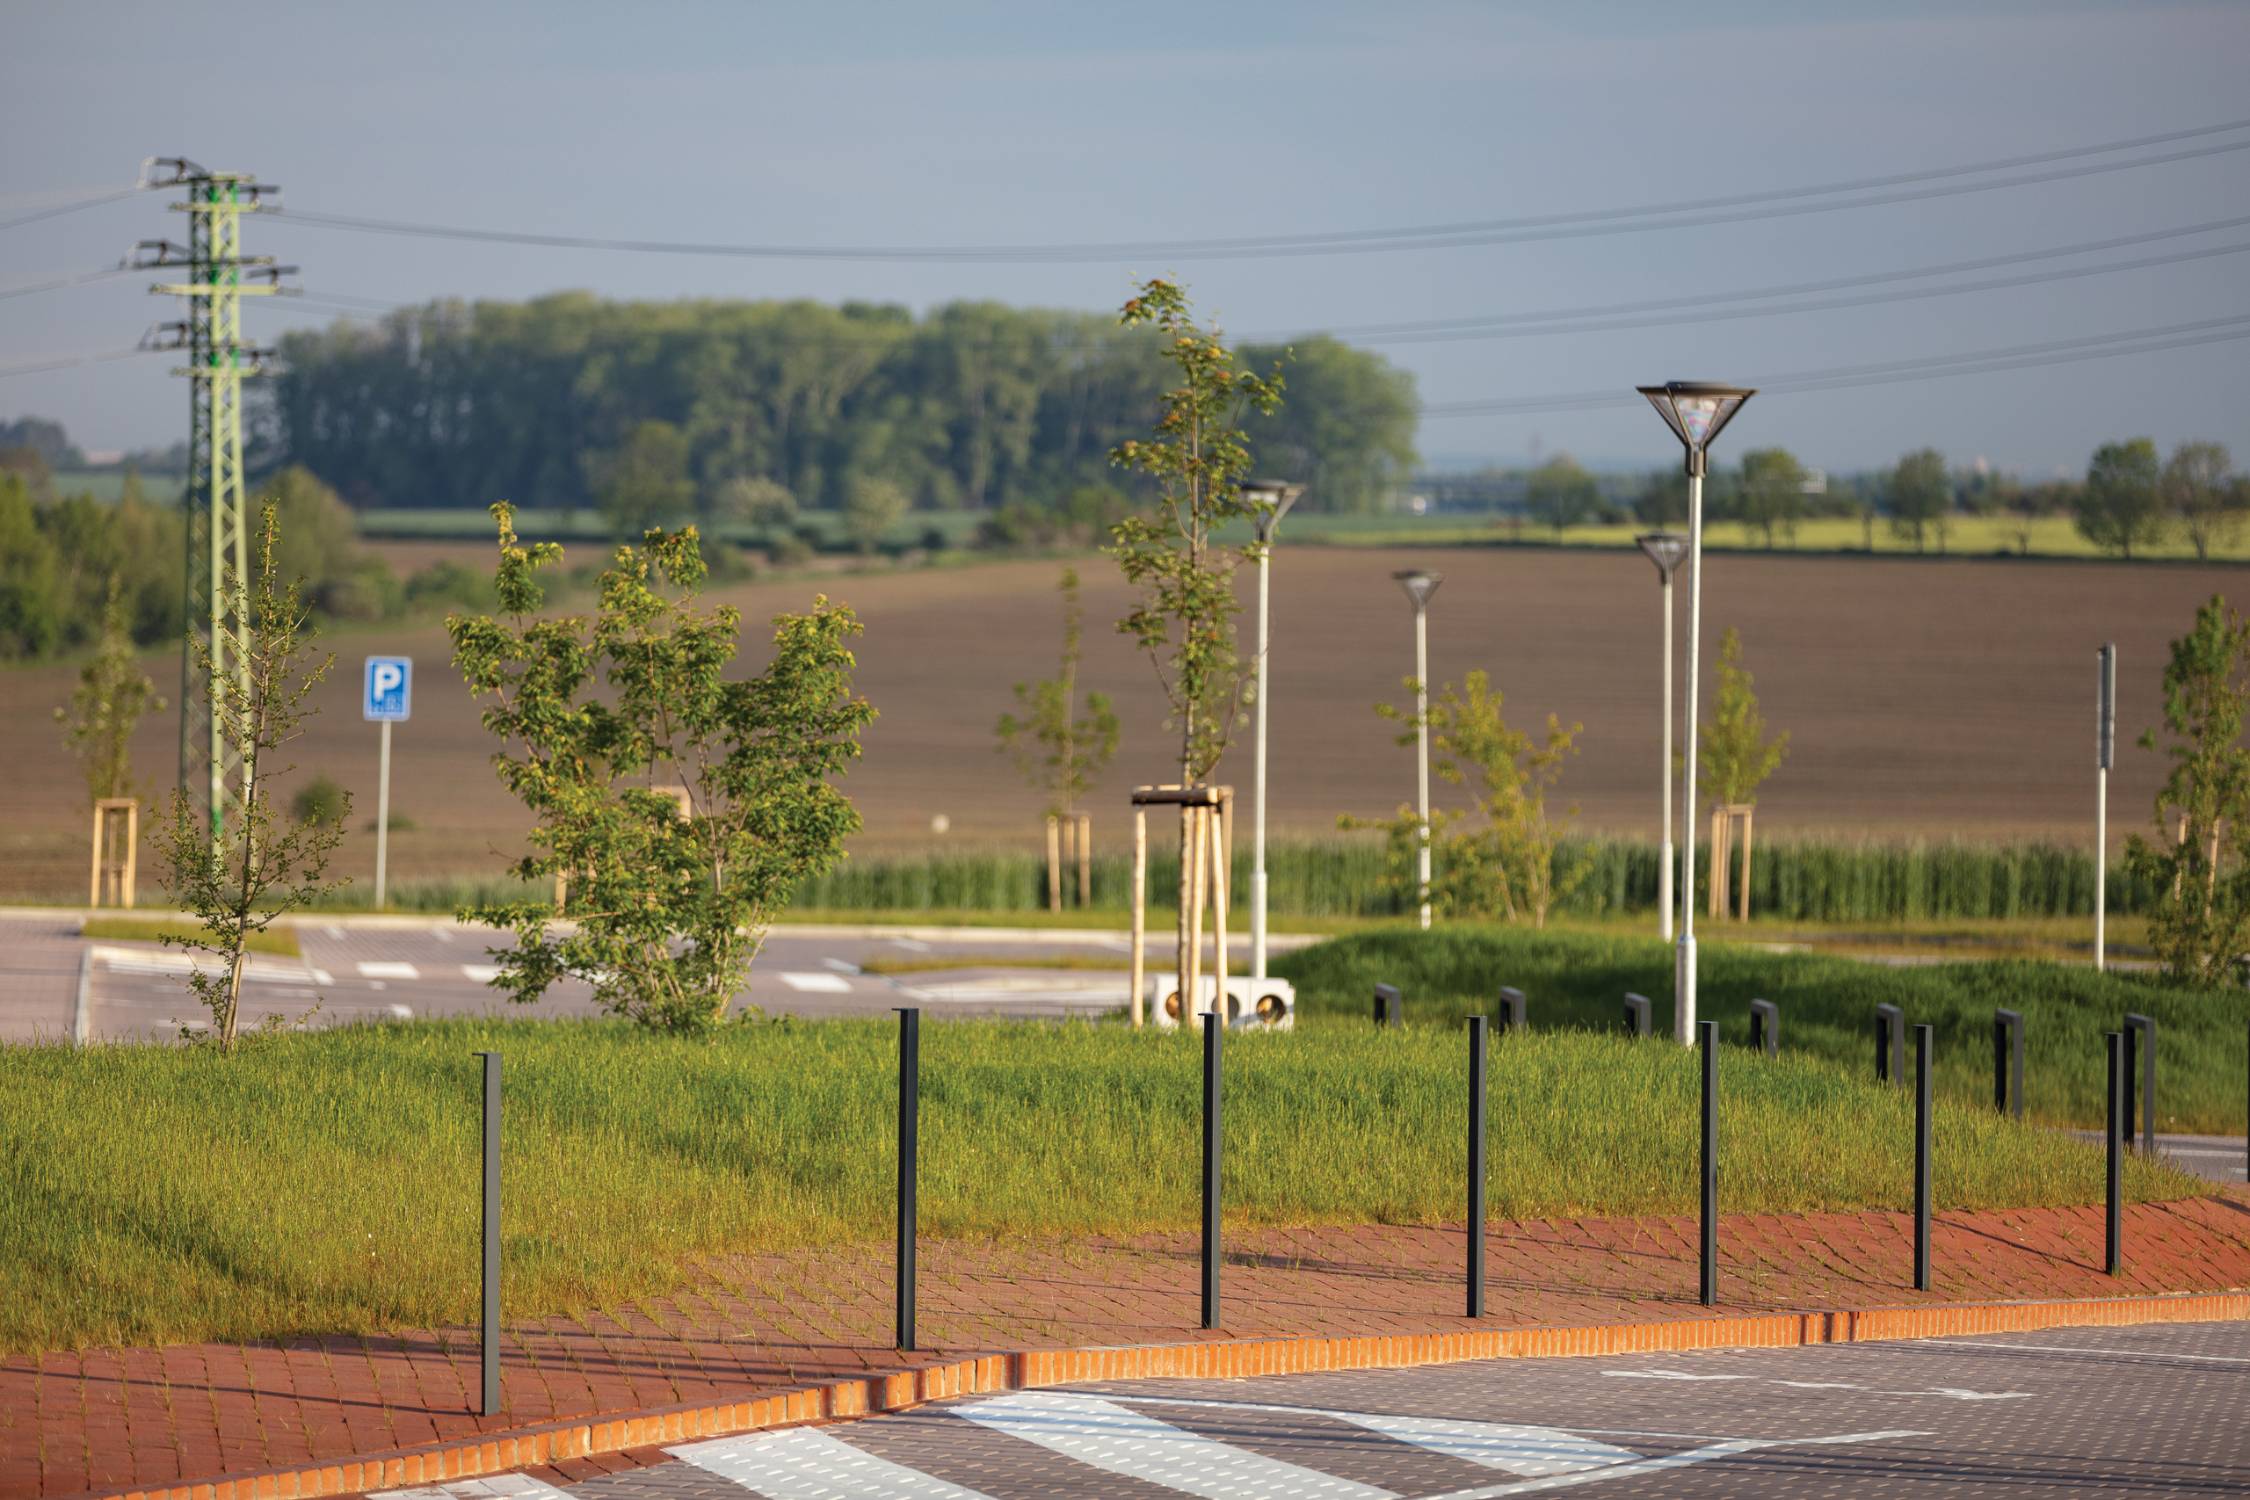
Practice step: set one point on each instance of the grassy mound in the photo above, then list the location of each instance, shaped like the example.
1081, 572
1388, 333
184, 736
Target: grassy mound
328, 1181
1827, 1009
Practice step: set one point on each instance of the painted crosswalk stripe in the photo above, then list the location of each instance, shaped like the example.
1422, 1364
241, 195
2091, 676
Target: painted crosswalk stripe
481, 973
832, 984
808, 1463
1111, 1437
495, 1487
1516, 1448
387, 969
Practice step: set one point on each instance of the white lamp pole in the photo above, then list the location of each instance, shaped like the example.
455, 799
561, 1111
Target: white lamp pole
1666, 549
2105, 744
1419, 586
1695, 411
1272, 499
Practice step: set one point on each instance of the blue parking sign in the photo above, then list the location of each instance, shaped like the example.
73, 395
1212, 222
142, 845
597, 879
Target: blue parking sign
389, 695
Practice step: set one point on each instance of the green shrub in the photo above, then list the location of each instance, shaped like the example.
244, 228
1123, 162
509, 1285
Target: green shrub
319, 800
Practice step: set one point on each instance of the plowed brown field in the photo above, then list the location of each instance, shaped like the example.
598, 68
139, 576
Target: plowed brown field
1944, 698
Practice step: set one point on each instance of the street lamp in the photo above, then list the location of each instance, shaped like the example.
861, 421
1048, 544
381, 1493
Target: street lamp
1270, 499
1419, 585
1667, 549
1696, 411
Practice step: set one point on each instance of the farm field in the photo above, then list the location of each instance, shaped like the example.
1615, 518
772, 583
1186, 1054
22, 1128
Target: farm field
1946, 699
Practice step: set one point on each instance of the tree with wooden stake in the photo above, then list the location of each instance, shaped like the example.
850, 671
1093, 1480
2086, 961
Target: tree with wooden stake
1062, 746
1735, 758
2199, 864
252, 868
112, 697
1184, 616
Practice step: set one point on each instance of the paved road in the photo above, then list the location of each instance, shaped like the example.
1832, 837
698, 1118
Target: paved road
54, 984
2142, 1411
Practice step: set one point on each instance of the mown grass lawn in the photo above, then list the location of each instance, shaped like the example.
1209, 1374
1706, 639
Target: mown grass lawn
280, 939
1827, 1009
328, 1181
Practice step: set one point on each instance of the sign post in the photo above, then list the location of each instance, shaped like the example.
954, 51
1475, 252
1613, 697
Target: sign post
2105, 745
387, 699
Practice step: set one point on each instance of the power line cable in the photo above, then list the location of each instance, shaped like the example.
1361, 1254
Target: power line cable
1737, 208
68, 361
69, 208
58, 283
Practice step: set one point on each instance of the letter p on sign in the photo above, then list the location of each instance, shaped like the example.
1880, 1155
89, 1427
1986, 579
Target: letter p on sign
389, 695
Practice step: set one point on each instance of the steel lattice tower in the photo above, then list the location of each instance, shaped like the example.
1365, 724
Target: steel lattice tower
216, 505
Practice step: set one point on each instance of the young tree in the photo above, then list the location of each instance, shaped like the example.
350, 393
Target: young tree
1921, 498
1735, 756
1502, 860
1184, 617
871, 508
2198, 864
1059, 745
598, 719
644, 481
2120, 505
1560, 494
764, 503
112, 696
2196, 488
237, 878
1773, 491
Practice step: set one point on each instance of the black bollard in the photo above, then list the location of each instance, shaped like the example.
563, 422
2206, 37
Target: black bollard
2113, 1254
1636, 1015
490, 1339
1708, 1036
1476, 1166
1890, 1044
909, 1153
1214, 1027
1514, 1009
1922, 1037
2007, 1062
1765, 1027
1390, 1008
2140, 1067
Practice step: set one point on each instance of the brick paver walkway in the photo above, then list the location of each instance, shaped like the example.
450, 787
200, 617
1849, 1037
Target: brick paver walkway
102, 1421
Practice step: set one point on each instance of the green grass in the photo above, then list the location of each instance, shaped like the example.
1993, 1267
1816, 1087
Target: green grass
281, 940
1827, 1008
328, 1181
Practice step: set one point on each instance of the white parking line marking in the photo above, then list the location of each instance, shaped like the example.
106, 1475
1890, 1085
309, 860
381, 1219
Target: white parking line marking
911, 945
322, 976
2213, 1359
481, 973
403, 1012
1110, 1437
808, 1462
840, 966
1724, 1449
496, 1487
1667, 1375
826, 984
387, 969
1533, 1452
334, 931
442, 934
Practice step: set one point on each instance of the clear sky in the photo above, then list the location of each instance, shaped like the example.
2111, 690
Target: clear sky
902, 124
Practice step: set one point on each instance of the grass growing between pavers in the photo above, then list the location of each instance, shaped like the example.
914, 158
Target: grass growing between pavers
280, 940
1827, 1009
328, 1181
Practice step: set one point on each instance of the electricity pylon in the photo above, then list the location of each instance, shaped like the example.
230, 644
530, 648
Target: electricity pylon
218, 552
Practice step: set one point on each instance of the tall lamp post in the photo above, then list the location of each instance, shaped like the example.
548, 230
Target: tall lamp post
1272, 499
1696, 411
1419, 585
1667, 549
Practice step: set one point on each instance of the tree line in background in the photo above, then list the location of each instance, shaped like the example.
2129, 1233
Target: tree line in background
654, 412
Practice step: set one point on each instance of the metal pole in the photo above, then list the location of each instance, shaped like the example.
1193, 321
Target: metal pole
1476, 1166
1922, 1035
2105, 734
490, 1340
1139, 964
1683, 983
1214, 1027
1708, 1034
1665, 871
1258, 780
383, 820
909, 1154
2113, 1255
1422, 764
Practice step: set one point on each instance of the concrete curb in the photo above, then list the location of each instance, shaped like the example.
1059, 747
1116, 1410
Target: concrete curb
1206, 1360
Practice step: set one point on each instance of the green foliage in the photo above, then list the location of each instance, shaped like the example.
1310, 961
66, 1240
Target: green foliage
237, 878
1773, 492
758, 500
1060, 747
2199, 862
871, 508
1578, 980
1347, 431
2121, 506
1560, 494
143, 1187
1184, 618
1920, 496
31, 612
1503, 858
669, 895
321, 800
1735, 757
2197, 489
644, 480
112, 696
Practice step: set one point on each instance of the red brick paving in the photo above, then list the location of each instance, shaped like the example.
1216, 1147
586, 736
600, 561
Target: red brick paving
110, 1420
